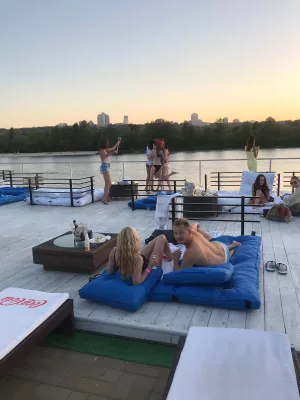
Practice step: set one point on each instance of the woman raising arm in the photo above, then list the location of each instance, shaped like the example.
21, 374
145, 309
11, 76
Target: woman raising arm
104, 153
251, 154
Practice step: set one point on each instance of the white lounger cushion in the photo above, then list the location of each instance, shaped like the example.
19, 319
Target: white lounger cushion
22, 311
65, 201
57, 192
235, 364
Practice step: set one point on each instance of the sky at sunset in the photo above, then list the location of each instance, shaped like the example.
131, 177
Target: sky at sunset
68, 60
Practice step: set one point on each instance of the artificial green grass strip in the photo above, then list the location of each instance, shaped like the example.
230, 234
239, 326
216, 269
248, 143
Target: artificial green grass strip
123, 349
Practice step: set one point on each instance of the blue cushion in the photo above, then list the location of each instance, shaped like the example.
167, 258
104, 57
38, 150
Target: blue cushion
7, 199
149, 199
141, 205
216, 275
13, 191
240, 292
114, 291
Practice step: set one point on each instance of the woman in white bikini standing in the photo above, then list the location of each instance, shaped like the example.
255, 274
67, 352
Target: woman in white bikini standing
149, 163
105, 166
155, 171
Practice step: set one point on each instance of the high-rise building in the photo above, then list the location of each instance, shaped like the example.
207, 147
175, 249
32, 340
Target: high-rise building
103, 119
225, 120
236, 121
194, 119
125, 120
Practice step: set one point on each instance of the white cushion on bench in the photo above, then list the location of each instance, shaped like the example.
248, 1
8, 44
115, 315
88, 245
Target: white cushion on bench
235, 364
19, 316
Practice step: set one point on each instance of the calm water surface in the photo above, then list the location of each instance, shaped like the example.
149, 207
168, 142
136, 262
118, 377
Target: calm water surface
132, 166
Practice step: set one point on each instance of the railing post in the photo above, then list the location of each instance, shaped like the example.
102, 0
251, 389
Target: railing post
293, 186
92, 188
270, 165
36, 180
3, 175
205, 182
71, 192
173, 210
218, 180
278, 184
132, 196
30, 191
175, 186
243, 217
200, 173
71, 170
10, 179
123, 170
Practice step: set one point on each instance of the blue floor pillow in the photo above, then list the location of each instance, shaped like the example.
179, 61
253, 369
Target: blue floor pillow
241, 291
215, 275
149, 199
114, 291
142, 205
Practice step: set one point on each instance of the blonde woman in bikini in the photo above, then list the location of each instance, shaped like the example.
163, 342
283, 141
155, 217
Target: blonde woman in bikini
134, 262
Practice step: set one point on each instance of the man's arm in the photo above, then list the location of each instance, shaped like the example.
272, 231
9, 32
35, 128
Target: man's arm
187, 261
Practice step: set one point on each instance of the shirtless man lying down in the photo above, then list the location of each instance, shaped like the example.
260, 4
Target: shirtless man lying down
199, 249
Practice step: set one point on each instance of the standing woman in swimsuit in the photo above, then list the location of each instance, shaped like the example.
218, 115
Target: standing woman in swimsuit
157, 162
164, 154
149, 153
105, 166
251, 154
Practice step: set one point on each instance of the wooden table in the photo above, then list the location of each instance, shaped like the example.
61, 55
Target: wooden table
74, 259
117, 190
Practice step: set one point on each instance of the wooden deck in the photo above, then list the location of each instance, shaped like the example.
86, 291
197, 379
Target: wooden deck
23, 226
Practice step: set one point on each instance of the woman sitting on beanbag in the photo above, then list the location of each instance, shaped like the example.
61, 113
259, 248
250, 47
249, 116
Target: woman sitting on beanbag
133, 262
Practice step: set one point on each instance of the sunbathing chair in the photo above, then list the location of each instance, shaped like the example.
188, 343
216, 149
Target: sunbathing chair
26, 318
235, 364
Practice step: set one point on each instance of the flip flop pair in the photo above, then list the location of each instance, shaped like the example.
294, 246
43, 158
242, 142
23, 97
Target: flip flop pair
272, 266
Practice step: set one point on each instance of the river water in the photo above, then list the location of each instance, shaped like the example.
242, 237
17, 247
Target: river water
189, 165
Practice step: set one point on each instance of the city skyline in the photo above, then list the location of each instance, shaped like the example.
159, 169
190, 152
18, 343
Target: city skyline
157, 60
103, 120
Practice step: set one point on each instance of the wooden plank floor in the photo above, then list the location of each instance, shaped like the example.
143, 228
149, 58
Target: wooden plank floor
23, 227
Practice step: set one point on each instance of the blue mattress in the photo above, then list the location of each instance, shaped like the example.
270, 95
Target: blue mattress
11, 195
147, 203
240, 292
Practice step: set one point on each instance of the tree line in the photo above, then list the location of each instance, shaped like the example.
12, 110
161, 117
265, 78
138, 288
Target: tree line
184, 136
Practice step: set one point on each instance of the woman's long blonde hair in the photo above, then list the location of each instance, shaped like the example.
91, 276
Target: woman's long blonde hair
128, 247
